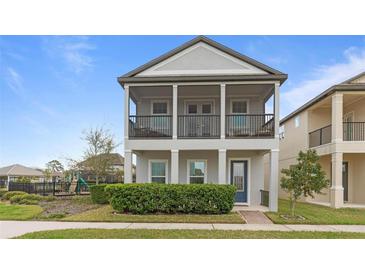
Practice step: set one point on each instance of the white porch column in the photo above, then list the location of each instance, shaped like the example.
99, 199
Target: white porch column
174, 166
222, 164
337, 117
128, 176
274, 180
174, 112
337, 187
277, 109
223, 111
126, 111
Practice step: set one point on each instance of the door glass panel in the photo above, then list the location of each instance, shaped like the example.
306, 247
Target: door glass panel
206, 108
239, 107
238, 176
192, 109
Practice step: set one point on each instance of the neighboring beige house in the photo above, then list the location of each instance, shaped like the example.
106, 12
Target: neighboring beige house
200, 117
333, 124
13, 172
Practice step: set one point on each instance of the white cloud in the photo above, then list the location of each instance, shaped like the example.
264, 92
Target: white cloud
72, 50
14, 81
324, 77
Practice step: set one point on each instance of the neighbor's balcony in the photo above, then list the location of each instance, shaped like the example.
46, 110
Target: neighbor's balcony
352, 131
202, 126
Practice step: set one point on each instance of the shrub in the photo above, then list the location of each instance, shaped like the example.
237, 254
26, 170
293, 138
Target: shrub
2, 192
17, 199
173, 198
10, 194
98, 194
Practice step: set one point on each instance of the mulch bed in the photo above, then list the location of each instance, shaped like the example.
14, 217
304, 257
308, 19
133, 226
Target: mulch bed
62, 207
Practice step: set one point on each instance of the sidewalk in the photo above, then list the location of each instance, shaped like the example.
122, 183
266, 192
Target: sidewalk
10, 229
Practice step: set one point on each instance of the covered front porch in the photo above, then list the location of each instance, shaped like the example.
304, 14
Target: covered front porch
347, 180
242, 168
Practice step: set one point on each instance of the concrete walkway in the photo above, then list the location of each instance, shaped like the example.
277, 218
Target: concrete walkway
10, 229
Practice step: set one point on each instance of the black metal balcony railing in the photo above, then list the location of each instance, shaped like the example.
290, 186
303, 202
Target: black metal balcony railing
250, 125
354, 131
320, 136
198, 126
150, 126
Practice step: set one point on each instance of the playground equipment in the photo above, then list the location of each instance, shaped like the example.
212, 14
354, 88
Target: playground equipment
75, 183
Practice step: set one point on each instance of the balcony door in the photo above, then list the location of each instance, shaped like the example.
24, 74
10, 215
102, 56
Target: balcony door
198, 124
348, 120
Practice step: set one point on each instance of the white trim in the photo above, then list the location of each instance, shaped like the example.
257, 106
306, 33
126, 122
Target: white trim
188, 169
239, 100
201, 101
146, 84
248, 176
150, 161
160, 101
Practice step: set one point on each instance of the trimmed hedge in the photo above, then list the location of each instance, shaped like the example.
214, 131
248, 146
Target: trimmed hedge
171, 198
2, 192
98, 194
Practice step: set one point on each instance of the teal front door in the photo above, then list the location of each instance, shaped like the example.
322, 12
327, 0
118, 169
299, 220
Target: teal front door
239, 179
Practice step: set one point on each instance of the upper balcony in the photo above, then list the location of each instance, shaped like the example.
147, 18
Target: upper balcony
340, 117
201, 111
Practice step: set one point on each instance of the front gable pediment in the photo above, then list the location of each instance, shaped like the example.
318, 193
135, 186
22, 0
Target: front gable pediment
201, 59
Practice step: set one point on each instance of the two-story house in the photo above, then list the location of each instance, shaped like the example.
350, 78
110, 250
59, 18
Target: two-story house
197, 115
333, 124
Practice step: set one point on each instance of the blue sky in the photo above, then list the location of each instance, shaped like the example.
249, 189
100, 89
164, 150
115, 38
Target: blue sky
54, 87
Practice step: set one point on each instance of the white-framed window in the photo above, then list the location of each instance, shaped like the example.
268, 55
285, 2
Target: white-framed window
297, 121
159, 107
158, 171
197, 171
239, 106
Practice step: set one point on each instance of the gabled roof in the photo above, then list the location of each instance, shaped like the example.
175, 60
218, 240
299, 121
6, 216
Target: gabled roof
271, 73
19, 170
347, 85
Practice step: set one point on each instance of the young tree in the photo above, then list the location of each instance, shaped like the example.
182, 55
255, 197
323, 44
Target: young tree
98, 157
47, 173
306, 178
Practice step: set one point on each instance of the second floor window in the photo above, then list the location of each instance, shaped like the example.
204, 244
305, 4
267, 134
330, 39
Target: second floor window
159, 108
297, 121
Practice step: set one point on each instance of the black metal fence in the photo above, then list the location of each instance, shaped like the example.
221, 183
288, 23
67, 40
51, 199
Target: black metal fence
2, 183
250, 125
33, 188
198, 126
264, 197
150, 126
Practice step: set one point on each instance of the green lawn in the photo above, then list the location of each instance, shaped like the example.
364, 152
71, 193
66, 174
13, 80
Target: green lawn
184, 234
316, 214
106, 214
19, 212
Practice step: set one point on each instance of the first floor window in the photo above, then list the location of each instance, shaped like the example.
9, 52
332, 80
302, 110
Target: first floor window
158, 171
197, 171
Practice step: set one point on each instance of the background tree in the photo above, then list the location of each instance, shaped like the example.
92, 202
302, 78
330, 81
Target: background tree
97, 157
55, 166
306, 178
